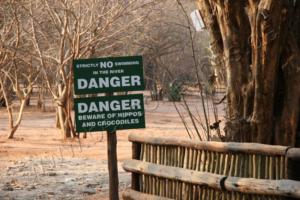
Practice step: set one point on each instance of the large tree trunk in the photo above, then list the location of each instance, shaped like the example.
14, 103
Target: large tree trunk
261, 55
64, 111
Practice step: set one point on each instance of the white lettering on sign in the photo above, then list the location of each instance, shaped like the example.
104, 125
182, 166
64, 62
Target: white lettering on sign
117, 122
115, 82
106, 65
89, 65
82, 107
126, 63
93, 107
116, 105
82, 83
86, 117
104, 106
135, 80
126, 104
126, 81
101, 65
106, 82
93, 84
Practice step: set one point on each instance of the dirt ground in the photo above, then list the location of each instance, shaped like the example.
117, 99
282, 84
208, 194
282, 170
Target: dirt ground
37, 164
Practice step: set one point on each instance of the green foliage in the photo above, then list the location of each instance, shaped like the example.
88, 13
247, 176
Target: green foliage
174, 92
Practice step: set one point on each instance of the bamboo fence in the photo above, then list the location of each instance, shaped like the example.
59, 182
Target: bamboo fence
253, 162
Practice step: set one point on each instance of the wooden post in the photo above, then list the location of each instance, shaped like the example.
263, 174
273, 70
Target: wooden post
112, 163
292, 165
136, 153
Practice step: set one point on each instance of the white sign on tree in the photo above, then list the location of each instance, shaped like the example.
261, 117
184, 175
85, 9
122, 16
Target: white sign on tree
197, 20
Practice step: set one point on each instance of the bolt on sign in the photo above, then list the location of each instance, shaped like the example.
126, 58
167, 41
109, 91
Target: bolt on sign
109, 113
106, 75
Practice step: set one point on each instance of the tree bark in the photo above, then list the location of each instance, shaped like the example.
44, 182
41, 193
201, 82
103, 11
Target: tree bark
259, 44
287, 122
13, 128
61, 114
23, 99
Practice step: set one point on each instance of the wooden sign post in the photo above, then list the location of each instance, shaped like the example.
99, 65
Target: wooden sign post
109, 113
112, 165
112, 158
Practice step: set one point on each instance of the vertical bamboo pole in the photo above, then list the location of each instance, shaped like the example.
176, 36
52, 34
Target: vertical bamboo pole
259, 165
271, 168
254, 166
255, 171
154, 154
148, 153
177, 190
160, 184
212, 169
146, 184
204, 195
208, 161
142, 177
165, 155
232, 165
191, 163
199, 161
187, 158
161, 187
177, 157
241, 167
173, 153
194, 192
246, 174
173, 189
180, 189
282, 167
142, 157
218, 162
213, 162
160, 149
183, 156
237, 173
277, 167
267, 168
230, 173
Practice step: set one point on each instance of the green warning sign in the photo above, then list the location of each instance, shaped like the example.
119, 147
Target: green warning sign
109, 113
112, 74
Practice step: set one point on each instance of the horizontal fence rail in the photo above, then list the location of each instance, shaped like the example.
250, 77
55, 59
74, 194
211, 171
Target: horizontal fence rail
221, 147
134, 195
223, 160
174, 173
176, 176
